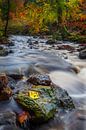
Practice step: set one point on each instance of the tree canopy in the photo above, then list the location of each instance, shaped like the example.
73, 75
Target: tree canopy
39, 16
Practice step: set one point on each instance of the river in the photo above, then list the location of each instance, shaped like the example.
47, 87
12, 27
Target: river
32, 55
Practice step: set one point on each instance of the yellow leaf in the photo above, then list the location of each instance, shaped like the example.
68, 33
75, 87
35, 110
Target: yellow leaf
33, 94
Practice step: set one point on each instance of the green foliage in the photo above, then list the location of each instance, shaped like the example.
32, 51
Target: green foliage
77, 38
57, 35
40, 15
4, 9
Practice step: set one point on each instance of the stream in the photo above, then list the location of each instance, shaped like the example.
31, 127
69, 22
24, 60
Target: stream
31, 55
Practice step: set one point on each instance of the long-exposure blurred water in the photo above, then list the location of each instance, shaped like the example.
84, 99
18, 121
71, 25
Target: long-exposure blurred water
32, 55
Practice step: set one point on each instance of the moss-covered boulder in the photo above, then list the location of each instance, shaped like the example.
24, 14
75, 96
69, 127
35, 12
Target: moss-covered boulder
40, 101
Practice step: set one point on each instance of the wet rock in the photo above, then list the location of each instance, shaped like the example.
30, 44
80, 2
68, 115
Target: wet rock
4, 41
31, 47
39, 80
11, 44
5, 91
11, 51
36, 42
7, 117
29, 41
66, 47
20, 86
16, 76
80, 48
35, 37
59, 42
8, 121
50, 42
65, 101
3, 51
11, 83
40, 101
3, 79
82, 54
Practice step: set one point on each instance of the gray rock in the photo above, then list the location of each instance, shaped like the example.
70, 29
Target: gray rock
3, 51
82, 54
50, 42
39, 80
65, 101
8, 121
7, 118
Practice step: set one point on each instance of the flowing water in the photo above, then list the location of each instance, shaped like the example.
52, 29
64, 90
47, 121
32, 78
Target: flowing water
29, 57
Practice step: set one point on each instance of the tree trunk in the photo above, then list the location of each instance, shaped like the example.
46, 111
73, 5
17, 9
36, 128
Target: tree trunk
7, 18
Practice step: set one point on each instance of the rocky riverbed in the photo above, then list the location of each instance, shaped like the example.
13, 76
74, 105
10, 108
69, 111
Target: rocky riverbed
36, 56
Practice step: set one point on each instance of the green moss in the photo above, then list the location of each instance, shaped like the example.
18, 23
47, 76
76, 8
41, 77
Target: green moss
43, 107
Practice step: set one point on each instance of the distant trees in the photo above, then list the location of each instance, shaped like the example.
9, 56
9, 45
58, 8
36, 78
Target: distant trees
40, 15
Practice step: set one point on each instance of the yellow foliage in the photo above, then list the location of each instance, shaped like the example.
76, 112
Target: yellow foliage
33, 94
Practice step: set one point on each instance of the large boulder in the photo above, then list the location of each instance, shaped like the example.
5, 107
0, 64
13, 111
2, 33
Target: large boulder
82, 54
41, 99
5, 91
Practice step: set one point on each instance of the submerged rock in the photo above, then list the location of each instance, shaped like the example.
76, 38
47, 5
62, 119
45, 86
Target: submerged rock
82, 54
5, 91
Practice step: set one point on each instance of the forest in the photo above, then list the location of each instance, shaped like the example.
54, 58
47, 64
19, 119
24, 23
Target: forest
64, 19
42, 64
